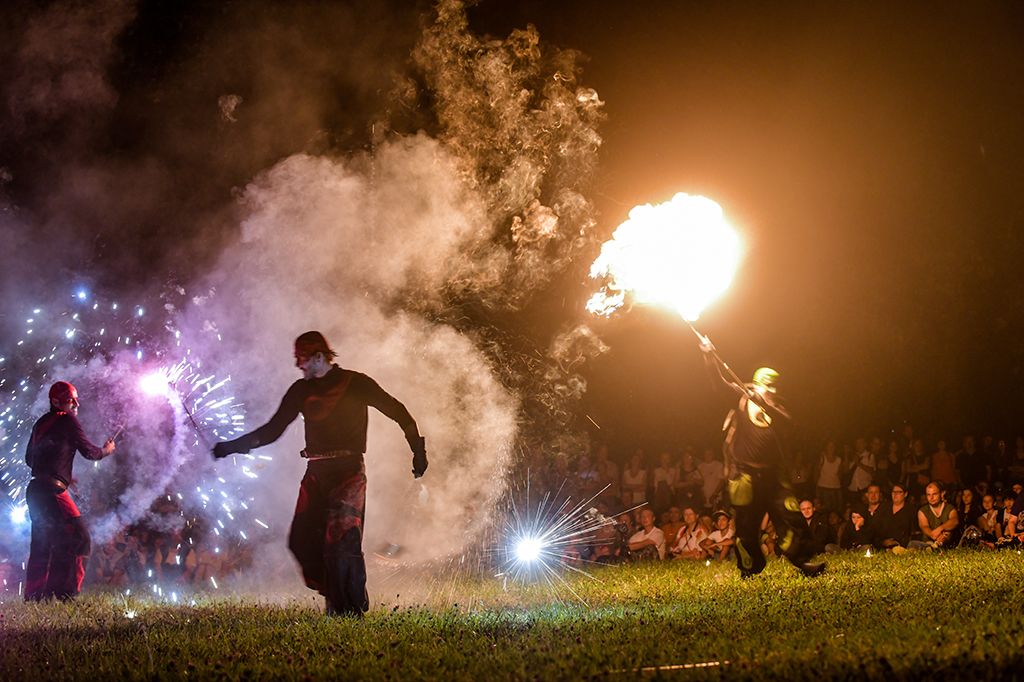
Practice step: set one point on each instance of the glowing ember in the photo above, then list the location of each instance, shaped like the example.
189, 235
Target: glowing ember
681, 254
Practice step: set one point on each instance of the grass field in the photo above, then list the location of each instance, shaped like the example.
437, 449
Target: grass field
958, 615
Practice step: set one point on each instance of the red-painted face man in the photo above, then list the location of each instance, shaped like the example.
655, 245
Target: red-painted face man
326, 532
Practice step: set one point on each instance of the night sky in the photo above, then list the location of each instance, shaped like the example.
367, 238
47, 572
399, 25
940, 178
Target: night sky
868, 153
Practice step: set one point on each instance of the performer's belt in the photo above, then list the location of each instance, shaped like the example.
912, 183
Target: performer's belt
330, 454
51, 480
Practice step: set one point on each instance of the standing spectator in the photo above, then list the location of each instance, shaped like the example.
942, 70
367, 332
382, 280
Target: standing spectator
828, 479
718, 544
690, 484
917, 467
889, 464
862, 471
586, 476
712, 472
1016, 465
800, 475
634, 481
1001, 460
817, 527
690, 536
607, 473
649, 541
937, 519
666, 476
898, 523
972, 464
944, 465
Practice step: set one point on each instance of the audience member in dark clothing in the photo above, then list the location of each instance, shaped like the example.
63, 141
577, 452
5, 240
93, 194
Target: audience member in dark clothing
895, 526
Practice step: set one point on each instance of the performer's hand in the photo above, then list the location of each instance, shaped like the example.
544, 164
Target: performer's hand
705, 344
109, 447
222, 450
419, 456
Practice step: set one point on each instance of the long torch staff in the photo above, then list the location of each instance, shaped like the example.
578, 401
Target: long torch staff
732, 376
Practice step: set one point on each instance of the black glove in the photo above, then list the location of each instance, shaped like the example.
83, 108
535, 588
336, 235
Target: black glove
419, 455
228, 447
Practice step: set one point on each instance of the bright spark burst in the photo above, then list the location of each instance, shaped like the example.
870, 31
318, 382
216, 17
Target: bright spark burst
540, 543
681, 255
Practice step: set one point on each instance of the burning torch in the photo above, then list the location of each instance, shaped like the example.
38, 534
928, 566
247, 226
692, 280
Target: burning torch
679, 255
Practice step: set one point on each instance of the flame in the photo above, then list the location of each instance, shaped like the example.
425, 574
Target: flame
681, 254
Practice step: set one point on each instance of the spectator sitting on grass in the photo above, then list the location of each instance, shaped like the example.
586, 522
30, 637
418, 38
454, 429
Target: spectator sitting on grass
855, 532
894, 527
937, 519
719, 542
967, 508
990, 521
817, 527
649, 541
690, 536
672, 523
875, 504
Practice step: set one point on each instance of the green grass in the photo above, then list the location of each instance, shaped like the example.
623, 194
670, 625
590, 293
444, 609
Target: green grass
960, 615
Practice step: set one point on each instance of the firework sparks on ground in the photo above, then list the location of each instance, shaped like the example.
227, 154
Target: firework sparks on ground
542, 542
680, 255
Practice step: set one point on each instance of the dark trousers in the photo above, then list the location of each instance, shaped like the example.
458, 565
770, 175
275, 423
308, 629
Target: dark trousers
60, 544
326, 536
753, 493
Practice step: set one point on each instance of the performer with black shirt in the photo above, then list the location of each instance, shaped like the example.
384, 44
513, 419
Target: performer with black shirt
327, 530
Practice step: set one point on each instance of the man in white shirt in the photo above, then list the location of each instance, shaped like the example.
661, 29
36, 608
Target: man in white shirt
649, 541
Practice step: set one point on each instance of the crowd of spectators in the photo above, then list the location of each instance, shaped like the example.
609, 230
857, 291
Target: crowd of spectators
169, 548
871, 494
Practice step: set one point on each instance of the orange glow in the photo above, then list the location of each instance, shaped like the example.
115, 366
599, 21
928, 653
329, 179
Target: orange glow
681, 255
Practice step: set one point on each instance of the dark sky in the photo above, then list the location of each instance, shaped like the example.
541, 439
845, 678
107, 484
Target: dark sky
868, 152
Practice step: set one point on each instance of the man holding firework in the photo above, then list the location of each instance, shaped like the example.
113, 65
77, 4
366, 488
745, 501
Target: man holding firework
60, 542
755, 432
327, 530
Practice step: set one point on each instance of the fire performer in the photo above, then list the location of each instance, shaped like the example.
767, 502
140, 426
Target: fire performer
327, 530
754, 446
60, 541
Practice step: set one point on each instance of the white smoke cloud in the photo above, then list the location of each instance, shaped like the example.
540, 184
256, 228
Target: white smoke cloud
326, 244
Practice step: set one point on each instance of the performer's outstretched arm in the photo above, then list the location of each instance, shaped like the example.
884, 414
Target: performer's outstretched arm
286, 413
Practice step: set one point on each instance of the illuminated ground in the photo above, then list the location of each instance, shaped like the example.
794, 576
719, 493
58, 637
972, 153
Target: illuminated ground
957, 615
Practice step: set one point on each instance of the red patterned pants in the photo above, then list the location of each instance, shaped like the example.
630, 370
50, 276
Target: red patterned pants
60, 544
326, 536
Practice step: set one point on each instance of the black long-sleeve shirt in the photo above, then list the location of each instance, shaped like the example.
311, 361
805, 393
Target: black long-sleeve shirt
334, 409
55, 439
